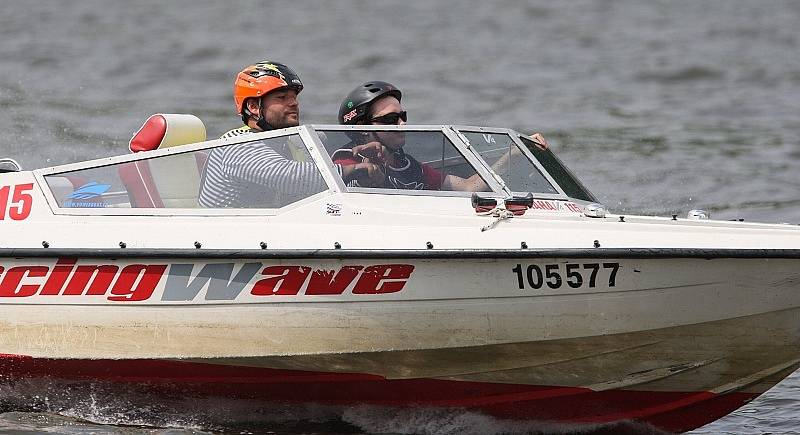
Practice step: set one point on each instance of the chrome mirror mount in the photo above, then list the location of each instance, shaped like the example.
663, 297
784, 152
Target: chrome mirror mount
594, 210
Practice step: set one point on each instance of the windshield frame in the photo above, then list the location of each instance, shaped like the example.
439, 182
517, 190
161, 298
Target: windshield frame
593, 199
514, 135
497, 189
318, 157
309, 133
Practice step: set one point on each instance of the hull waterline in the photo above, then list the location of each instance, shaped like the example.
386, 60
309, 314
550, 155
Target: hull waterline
686, 384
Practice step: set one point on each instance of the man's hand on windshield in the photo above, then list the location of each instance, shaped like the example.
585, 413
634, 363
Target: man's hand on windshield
375, 173
372, 152
367, 174
540, 141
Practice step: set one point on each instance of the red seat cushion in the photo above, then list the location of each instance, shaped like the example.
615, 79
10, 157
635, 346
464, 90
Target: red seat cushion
151, 134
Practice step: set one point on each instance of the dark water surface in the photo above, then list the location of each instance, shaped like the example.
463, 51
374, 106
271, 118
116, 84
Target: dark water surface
660, 107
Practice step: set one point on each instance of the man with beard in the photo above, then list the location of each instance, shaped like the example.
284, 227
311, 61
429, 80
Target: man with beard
261, 175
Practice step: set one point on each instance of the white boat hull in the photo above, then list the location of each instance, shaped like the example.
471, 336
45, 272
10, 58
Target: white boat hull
676, 342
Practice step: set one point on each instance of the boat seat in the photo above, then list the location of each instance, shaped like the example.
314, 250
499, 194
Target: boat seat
169, 181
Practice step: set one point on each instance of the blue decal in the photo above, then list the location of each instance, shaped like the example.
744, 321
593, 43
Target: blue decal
88, 195
89, 190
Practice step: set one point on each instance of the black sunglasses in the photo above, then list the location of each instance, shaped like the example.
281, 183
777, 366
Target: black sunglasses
390, 118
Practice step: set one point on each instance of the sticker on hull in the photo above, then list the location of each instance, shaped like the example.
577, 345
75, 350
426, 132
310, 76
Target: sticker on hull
188, 282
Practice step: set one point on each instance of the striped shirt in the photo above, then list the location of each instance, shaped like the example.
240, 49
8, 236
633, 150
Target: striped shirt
260, 174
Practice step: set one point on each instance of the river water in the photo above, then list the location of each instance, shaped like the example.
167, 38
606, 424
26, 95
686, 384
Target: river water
660, 107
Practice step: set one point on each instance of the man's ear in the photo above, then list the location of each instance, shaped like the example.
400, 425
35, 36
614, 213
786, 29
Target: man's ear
253, 106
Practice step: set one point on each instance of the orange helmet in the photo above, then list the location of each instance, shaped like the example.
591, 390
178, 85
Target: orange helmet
262, 78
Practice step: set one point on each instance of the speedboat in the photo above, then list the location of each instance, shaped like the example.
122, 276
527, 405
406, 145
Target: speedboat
527, 300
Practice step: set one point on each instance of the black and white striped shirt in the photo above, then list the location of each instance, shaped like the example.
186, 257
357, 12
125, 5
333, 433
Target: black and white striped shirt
260, 174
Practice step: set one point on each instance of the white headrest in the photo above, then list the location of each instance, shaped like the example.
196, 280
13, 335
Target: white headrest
164, 130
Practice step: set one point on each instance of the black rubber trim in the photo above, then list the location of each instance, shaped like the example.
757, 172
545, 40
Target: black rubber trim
115, 253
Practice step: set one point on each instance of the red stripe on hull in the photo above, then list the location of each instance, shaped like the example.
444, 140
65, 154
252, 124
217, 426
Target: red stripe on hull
672, 411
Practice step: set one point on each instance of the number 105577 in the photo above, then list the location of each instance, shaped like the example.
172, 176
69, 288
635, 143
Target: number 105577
575, 275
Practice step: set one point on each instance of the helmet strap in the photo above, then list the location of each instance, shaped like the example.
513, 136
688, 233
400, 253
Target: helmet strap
261, 122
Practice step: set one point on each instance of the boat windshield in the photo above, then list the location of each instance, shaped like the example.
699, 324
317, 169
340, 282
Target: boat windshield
411, 160
507, 160
563, 176
266, 173
272, 170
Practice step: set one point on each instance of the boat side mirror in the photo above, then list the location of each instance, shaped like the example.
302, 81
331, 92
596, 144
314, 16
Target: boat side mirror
9, 165
482, 204
594, 210
697, 214
519, 204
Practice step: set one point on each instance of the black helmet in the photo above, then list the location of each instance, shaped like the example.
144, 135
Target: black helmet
357, 103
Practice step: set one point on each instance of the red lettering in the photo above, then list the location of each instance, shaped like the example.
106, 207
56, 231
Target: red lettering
383, 278
22, 201
55, 282
544, 205
10, 286
324, 282
137, 282
283, 280
3, 201
350, 115
100, 276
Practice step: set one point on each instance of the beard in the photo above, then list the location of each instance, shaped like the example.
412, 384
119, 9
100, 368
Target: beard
285, 122
280, 120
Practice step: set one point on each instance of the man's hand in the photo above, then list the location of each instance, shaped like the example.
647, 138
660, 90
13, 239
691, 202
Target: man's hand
367, 174
375, 173
540, 141
372, 152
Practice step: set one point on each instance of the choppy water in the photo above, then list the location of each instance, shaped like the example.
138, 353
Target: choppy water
660, 107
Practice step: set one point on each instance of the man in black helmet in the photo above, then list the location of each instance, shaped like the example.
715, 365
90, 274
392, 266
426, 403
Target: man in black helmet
260, 174
379, 103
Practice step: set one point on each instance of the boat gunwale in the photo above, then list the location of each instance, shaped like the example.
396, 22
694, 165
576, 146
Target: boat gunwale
487, 254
